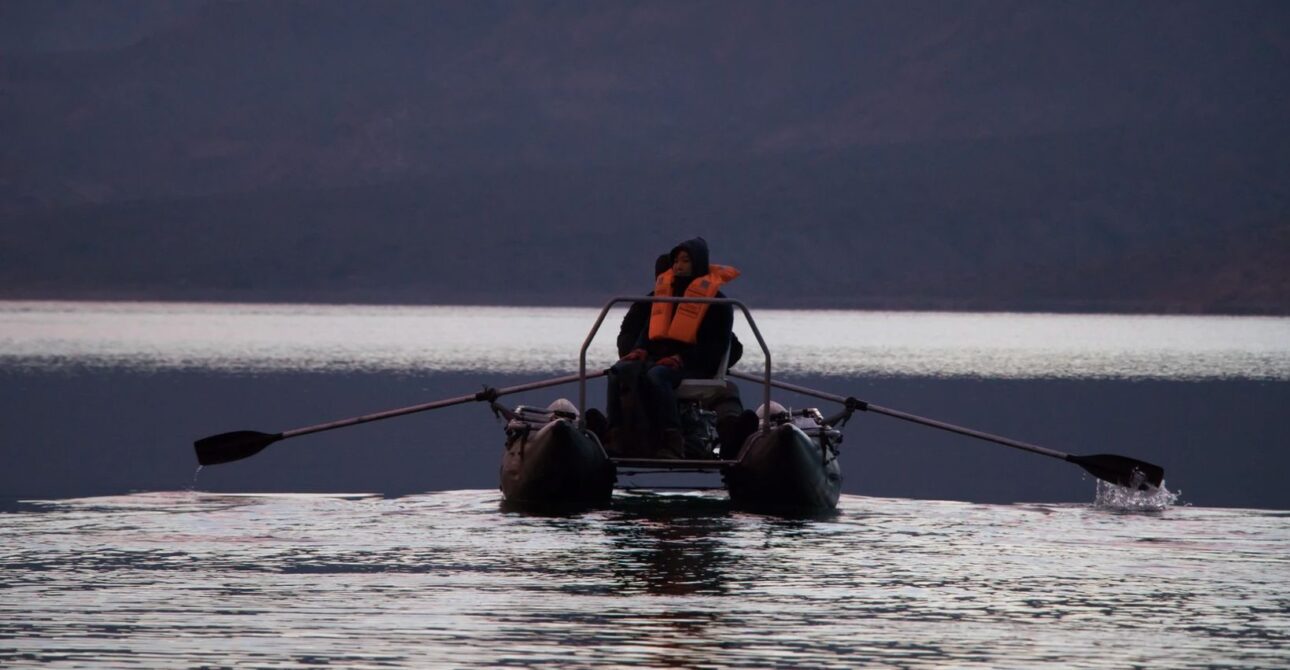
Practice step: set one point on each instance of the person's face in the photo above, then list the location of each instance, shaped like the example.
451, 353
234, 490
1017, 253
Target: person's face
681, 266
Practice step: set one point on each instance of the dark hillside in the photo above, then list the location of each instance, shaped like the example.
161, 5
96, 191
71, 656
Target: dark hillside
1015, 224
1002, 155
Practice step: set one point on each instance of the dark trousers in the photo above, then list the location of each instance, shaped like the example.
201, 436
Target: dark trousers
655, 389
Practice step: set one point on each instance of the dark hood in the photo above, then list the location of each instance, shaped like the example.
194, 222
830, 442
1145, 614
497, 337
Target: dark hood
698, 250
662, 264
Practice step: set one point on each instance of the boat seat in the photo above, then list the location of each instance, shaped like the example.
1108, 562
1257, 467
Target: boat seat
707, 391
704, 391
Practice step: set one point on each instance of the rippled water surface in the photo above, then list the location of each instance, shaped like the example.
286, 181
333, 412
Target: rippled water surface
109, 396
539, 340
184, 579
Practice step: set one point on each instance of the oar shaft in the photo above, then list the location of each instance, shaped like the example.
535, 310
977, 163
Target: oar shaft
446, 402
998, 439
961, 430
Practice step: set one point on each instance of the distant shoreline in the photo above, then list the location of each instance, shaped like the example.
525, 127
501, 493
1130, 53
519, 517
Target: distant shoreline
589, 301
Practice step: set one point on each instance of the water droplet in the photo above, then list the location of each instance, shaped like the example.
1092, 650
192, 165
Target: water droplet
1140, 498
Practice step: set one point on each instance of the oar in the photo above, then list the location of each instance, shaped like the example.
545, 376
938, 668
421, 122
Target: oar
240, 444
1113, 468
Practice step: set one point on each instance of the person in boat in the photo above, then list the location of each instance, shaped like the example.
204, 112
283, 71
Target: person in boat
637, 319
679, 341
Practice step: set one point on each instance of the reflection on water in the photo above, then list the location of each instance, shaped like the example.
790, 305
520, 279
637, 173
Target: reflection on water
449, 580
539, 340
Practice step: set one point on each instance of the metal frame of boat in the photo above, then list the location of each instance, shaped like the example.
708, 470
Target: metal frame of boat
780, 468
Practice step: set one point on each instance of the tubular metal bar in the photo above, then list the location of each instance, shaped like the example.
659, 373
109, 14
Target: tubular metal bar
582, 354
878, 409
655, 471
447, 402
672, 463
635, 489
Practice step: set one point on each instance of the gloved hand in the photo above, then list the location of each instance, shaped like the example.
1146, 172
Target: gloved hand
635, 355
673, 362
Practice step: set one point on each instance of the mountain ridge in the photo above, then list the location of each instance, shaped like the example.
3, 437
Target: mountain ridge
856, 228
1014, 155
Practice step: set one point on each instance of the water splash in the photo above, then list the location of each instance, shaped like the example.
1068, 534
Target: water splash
1134, 498
193, 486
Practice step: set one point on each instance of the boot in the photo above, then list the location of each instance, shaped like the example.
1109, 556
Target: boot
673, 444
625, 443
735, 431
614, 443
598, 424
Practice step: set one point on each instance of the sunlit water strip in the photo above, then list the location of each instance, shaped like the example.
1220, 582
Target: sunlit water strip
185, 579
338, 338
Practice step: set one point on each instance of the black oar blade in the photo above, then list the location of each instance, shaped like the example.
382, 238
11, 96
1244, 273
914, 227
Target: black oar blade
233, 446
1121, 470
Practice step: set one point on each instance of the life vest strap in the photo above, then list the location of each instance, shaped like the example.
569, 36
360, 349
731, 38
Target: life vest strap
681, 321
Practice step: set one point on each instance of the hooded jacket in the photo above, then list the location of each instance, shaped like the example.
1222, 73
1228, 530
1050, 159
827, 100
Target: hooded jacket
637, 316
702, 357
637, 319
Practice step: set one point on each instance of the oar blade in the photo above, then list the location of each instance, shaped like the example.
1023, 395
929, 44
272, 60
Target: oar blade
234, 446
1121, 470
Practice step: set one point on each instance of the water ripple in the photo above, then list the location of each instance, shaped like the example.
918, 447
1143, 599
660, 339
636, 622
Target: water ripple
187, 579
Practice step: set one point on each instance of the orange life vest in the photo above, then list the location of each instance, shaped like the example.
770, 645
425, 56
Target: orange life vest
682, 323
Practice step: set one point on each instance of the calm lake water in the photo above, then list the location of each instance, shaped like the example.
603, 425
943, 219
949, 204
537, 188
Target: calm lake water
176, 569
186, 579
